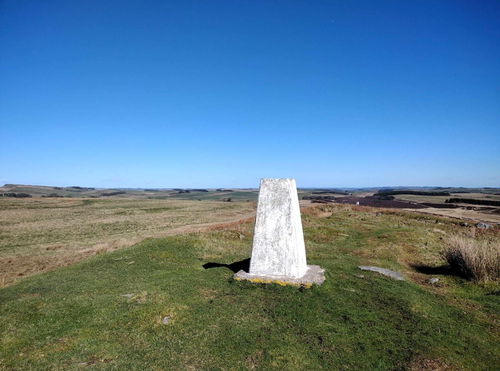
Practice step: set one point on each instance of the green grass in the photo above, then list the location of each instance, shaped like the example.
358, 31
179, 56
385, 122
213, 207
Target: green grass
106, 312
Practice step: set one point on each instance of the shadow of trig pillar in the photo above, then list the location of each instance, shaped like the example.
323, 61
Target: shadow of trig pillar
278, 252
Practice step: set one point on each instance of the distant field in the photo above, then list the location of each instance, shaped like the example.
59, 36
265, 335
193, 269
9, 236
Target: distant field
143, 193
442, 199
220, 194
420, 198
464, 211
467, 215
38, 234
236, 195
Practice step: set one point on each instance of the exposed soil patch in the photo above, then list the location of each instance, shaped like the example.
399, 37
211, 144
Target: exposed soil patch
421, 364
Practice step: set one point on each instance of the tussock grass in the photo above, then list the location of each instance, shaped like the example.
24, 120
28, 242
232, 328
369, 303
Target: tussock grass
475, 259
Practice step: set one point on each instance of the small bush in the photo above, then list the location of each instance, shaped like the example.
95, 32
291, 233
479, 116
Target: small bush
473, 259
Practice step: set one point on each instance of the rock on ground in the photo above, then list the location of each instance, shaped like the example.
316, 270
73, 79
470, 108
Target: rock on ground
483, 225
385, 272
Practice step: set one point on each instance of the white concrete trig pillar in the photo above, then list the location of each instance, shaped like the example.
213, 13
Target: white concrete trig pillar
278, 252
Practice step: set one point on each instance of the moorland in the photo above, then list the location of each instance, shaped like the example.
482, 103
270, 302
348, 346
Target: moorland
43, 227
144, 280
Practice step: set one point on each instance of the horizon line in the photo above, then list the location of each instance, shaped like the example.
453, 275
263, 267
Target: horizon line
222, 187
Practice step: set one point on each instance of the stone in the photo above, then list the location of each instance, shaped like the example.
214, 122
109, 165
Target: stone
483, 225
348, 289
165, 320
385, 272
278, 252
433, 280
314, 275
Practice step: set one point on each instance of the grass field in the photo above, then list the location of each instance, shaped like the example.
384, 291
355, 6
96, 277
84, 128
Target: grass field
466, 212
108, 311
39, 234
238, 194
442, 199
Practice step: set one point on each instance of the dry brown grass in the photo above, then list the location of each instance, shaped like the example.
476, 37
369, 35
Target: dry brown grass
475, 259
479, 215
41, 234
424, 364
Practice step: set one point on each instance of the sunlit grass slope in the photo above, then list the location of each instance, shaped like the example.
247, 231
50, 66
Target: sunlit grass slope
107, 312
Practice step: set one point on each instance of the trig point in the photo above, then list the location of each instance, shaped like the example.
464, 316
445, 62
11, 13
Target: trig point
278, 252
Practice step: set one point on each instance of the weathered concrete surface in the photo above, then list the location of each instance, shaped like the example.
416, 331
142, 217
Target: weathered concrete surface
278, 242
314, 275
278, 252
385, 272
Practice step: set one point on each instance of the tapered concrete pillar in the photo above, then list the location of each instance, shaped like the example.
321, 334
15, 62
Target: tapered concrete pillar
278, 252
278, 241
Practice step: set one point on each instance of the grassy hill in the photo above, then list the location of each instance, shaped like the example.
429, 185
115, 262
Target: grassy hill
154, 306
220, 194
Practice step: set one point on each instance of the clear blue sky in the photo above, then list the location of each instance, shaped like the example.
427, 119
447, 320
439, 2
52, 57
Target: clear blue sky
222, 93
